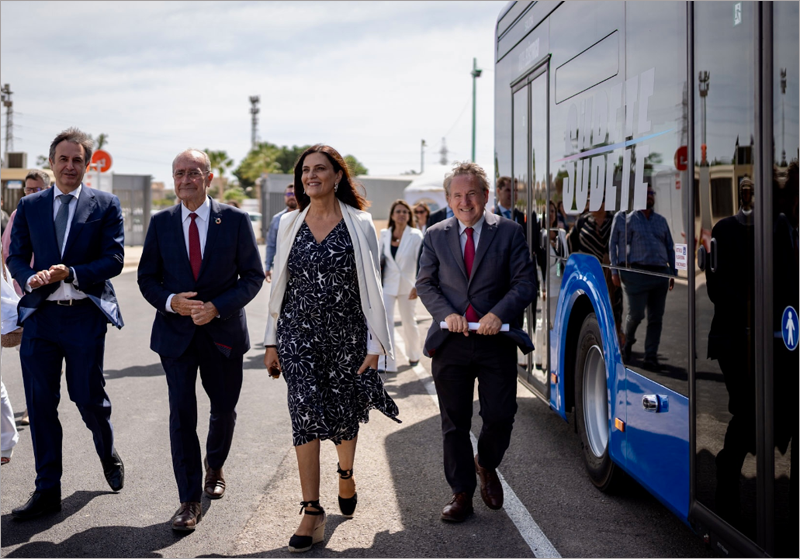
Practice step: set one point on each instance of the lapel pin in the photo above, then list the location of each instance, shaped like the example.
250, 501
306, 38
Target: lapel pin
218, 221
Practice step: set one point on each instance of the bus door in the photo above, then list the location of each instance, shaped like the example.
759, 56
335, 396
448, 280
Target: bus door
530, 196
745, 388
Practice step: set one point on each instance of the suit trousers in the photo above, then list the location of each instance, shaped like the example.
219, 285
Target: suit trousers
457, 363
222, 381
75, 336
410, 331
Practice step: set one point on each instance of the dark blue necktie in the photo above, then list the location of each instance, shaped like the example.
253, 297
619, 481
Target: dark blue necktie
61, 220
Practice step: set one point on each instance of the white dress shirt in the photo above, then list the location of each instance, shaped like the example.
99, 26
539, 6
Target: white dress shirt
476, 233
203, 214
65, 291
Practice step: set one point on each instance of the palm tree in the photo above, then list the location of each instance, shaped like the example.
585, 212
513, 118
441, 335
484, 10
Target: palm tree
220, 162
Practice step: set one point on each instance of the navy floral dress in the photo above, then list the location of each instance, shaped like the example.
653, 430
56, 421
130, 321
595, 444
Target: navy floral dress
322, 342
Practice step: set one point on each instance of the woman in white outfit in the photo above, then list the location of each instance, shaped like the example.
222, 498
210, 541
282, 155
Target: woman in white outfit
400, 245
8, 429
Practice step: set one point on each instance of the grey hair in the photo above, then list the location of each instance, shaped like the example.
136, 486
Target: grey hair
206, 160
466, 168
37, 174
76, 137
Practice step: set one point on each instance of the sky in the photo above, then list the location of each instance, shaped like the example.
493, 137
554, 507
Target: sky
372, 79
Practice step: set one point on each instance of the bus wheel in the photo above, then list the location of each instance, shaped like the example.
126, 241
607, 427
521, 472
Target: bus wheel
591, 406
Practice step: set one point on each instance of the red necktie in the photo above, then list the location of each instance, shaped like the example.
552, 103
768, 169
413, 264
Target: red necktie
469, 258
195, 256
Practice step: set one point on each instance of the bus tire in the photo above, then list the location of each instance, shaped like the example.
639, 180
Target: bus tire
591, 407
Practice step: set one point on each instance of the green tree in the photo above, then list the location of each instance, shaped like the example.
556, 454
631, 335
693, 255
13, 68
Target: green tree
234, 193
42, 162
220, 161
102, 139
261, 159
355, 166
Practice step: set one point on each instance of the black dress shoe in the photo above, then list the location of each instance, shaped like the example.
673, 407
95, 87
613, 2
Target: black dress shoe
458, 509
491, 488
41, 502
114, 470
413, 363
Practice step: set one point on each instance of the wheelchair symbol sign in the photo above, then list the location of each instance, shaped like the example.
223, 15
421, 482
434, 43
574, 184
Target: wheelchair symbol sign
789, 328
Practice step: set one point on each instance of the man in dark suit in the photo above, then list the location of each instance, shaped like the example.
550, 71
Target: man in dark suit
475, 268
439, 215
77, 235
200, 266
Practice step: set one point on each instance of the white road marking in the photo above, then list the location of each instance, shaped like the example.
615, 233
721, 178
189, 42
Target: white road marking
516, 511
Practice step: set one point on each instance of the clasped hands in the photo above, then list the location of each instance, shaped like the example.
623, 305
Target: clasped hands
490, 324
201, 313
57, 272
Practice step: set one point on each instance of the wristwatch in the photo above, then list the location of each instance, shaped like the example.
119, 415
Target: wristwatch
70, 276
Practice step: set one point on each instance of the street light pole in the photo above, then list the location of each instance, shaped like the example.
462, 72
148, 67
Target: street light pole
422, 145
476, 73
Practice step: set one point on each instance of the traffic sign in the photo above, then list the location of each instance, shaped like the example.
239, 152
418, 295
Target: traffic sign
102, 159
789, 328
681, 155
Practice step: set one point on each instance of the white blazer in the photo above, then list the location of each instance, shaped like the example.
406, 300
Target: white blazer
365, 246
400, 273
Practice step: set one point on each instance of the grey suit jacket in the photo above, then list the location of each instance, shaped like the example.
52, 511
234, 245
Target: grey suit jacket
503, 277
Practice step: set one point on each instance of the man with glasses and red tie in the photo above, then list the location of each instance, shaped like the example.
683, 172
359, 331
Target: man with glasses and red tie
475, 269
77, 236
200, 266
272, 234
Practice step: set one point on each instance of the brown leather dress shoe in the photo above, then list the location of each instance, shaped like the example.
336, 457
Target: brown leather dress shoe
214, 486
187, 517
491, 488
458, 509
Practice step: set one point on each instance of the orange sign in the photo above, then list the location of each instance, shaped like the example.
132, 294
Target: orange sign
101, 160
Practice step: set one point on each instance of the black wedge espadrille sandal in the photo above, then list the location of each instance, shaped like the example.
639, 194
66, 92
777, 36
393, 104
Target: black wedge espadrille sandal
299, 544
347, 506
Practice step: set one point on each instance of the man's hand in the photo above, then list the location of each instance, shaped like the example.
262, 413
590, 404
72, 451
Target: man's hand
370, 362
490, 324
268, 275
615, 279
58, 272
183, 304
413, 294
457, 323
204, 314
671, 283
40, 278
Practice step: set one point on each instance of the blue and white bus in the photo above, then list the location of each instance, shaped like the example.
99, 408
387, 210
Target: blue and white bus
655, 146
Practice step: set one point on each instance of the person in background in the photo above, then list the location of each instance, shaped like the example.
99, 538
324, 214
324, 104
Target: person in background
35, 181
421, 213
647, 241
475, 268
400, 246
440, 215
272, 235
326, 327
8, 429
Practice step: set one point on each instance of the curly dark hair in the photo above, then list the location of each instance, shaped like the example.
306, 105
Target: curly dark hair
346, 192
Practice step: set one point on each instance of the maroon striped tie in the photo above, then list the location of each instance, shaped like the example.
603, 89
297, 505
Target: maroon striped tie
195, 256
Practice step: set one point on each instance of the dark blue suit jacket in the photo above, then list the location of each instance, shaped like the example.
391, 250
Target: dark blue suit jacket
94, 248
503, 279
230, 277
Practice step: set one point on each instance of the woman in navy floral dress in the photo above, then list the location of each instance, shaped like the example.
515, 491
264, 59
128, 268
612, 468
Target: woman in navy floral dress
327, 326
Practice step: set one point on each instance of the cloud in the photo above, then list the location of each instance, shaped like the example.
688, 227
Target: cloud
372, 78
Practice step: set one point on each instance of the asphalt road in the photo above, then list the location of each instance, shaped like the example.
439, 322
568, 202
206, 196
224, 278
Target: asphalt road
398, 470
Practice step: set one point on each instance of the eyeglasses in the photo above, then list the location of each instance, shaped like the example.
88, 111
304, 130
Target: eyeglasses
193, 175
420, 212
289, 194
33, 190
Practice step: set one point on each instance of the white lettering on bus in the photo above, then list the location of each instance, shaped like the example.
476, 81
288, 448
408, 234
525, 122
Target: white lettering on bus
604, 128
